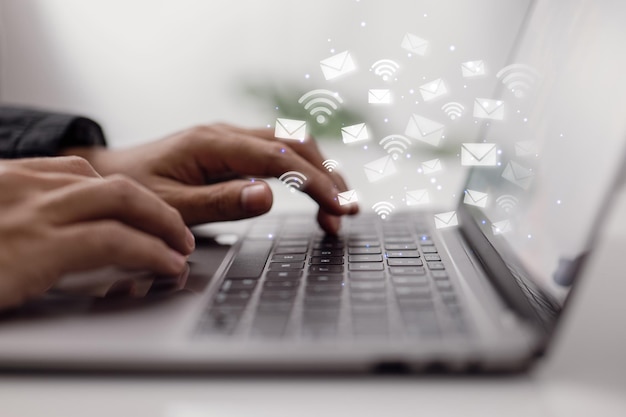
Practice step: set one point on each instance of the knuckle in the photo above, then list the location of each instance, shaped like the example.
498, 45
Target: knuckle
107, 237
77, 164
124, 188
222, 202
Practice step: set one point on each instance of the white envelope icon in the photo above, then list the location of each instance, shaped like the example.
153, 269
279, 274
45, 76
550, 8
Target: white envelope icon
354, 133
498, 228
337, 65
478, 154
424, 129
290, 129
485, 108
526, 148
518, 175
414, 44
347, 197
475, 198
380, 168
431, 166
417, 197
433, 89
471, 69
379, 96
447, 219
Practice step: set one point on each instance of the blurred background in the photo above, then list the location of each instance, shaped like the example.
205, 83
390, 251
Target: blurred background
146, 68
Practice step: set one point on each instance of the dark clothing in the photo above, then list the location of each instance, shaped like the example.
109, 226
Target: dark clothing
28, 133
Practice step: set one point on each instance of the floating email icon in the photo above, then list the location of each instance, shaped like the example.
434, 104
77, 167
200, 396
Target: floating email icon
380, 168
417, 197
431, 166
498, 228
518, 175
425, 130
379, 96
475, 198
354, 133
433, 90
414, 44
347, 197
337, 65
448, 219
290, 129
485, 108
471, 69
479, 154
526, 148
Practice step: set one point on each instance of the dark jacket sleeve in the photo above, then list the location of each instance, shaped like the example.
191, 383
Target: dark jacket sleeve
27, 132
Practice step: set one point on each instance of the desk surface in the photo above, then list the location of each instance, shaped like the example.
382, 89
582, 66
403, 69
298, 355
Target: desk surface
584, 374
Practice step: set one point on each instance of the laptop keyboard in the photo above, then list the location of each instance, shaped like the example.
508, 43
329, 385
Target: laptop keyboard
377, 280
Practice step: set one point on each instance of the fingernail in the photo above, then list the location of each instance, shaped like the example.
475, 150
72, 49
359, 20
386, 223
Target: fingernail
254, 198
177, 261
190, 239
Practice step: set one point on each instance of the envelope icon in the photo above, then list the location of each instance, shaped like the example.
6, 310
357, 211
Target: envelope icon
290, 129
354, 133
485, 108
414, 44
526, 148
471, 69
447, 219
431, 166
518, 175
433, 89
417, 197
347, 197
475, 198
478, 154
337, 65
380, 168
379, 96
498, 228
425, 130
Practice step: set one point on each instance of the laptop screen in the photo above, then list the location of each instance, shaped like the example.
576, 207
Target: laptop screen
557, 132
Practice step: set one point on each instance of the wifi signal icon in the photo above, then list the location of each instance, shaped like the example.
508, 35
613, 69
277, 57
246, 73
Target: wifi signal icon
330, 165
518, 78
383, 209
507, 202
395, 145
321, 104
294, 180
385, 68
453, 110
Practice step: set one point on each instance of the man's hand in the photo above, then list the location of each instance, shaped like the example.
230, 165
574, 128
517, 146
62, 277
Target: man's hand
57, 215
204, 172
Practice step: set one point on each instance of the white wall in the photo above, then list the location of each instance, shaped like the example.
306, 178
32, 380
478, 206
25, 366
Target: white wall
144, 68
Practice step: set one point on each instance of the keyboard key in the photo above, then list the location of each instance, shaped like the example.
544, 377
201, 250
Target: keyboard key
238, 298
283, 275
250, 260
284, 295
291, 249
327, 289
235, 285
329, 245
436, 266
291, 257
399, 239
365, 258
412, 292
359, 286
366, 275
405, 280
402, 254
439, 275
366, 266
415, 304
426, 242
408, 270
404, 262
325, 269
320, 260
364, 251
428, 249
400, 246
292, 242
328, 252
274, 308
322, 300
444, 285
372, 297
282, 266
325, 279
363, 243
432, 258
281, 285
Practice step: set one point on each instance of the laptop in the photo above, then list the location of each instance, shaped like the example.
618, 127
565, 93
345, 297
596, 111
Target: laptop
480, 288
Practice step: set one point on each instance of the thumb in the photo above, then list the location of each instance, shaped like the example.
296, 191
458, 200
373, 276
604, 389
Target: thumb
231, 200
